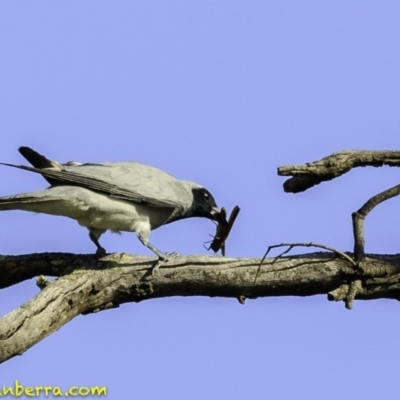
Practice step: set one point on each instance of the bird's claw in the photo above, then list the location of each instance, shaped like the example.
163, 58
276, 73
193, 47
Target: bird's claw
100, 252
161, 260
172, 255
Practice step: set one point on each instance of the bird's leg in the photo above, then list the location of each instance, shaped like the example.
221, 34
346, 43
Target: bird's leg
162, 257
94, 235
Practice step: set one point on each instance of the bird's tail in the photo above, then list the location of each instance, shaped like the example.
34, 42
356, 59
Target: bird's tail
39, 161
36, 159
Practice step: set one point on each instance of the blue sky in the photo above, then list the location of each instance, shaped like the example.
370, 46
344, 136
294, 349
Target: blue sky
221, 93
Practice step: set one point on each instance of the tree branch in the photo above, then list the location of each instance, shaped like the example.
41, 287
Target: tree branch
359, 216
87, 285
308, 175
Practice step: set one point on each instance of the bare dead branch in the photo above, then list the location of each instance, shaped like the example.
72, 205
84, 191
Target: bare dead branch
16, 269
308, 175
94, 285
359, 216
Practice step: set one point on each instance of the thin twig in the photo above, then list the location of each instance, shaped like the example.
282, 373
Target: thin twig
290, 247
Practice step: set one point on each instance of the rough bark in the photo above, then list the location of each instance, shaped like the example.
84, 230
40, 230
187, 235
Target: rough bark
86, 284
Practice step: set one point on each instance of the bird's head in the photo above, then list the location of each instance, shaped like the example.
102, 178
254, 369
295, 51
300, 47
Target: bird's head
204, 204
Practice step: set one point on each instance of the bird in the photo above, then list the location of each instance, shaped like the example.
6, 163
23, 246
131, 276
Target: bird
116, 196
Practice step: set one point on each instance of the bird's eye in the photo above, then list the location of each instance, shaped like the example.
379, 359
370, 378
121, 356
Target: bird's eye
206, 196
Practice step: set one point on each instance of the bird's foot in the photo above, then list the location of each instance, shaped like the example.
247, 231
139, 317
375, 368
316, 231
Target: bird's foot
101, 252
163, 259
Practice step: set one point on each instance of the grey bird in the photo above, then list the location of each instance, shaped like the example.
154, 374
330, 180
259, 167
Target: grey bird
121, 196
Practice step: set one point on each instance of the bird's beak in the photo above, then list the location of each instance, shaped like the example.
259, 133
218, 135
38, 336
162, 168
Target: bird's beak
215, 213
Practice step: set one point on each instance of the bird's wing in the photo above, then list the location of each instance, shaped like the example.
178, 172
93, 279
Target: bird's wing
134, 182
